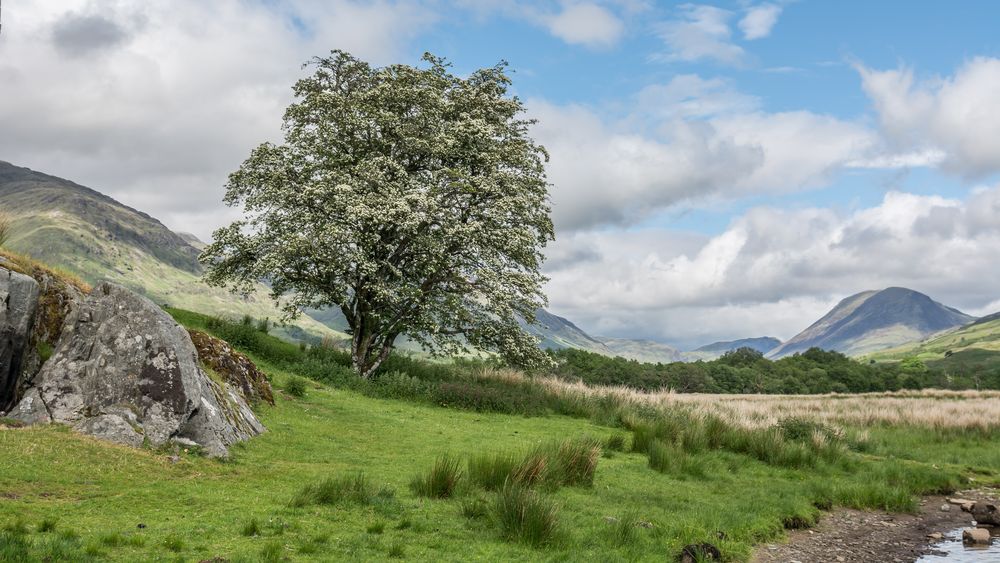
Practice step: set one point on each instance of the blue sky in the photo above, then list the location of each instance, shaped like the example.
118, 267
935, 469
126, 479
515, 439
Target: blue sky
719, 170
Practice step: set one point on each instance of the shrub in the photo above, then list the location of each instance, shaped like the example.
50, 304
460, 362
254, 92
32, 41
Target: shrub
522, 515
295, 386
441, 481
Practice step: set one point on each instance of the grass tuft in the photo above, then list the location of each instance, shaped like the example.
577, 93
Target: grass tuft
441, 482
523, 515
353, 489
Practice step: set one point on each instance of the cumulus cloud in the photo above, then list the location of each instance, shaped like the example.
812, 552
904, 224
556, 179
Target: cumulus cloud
758, 21
774, 271
586, 24
701, 32
691, 141
179, 94
955, 116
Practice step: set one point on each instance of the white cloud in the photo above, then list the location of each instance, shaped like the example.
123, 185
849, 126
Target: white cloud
701, 32
160, 100
758, 21
775, 271
586, 24
958, 116
692, 141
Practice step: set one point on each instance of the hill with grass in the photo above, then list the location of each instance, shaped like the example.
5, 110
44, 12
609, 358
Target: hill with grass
80, 230
648, 351
875, 320
972, 346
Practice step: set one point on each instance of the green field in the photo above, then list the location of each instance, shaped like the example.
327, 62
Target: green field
68, 497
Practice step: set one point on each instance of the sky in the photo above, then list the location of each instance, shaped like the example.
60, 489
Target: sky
719, 170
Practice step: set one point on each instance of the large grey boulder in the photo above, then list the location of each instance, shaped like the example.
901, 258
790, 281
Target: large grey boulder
125, 371
18, 302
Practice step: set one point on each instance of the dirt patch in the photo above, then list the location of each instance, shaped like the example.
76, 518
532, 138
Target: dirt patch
855, 535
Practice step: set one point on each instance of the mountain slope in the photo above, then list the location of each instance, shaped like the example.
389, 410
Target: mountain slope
875, 320
556, 333
90, 234
982, 334
647, 351
763, 344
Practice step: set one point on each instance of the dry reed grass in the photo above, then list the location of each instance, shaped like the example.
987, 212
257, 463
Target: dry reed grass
935, 409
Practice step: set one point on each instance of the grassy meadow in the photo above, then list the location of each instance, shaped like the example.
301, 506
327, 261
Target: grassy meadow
468, 462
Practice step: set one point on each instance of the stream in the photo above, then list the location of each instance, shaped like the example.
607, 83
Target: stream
952, 550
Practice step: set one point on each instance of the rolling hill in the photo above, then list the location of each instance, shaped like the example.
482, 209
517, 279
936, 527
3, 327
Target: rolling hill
875, 320
972, 344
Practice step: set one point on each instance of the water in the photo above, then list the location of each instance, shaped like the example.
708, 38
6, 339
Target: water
954, 552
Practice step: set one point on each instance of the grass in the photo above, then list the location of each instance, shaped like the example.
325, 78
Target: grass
524, 515
442, 481
327, 470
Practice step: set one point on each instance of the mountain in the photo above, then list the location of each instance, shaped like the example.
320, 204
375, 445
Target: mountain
875, 320
556, 333
763, 344
642, 350
90, 234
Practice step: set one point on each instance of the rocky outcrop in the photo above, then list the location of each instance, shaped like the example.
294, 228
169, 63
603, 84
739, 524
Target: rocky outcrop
124, 371
235, 368
985, 513
18, 303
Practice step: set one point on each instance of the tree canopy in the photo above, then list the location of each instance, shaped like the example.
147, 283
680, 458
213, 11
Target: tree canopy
412, 199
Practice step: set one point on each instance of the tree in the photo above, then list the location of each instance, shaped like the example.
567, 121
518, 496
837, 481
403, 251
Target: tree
6, 226
411, 199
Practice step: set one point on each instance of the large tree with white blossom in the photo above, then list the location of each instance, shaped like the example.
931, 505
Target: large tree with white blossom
412, 199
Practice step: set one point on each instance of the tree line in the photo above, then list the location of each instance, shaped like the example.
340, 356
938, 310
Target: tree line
747, 371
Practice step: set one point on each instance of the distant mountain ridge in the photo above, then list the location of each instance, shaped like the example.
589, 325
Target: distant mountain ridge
762, 344
875, 320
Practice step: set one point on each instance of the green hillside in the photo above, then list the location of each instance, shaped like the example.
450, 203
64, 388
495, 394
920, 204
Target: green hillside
85, 232
972, 345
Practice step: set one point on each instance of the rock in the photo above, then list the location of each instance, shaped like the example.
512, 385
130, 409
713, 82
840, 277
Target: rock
18, 303
945, 508
936, 536
967, 507
699, 552
235, 368
124, 371
610, 519
975, 536
958, 501
986, 513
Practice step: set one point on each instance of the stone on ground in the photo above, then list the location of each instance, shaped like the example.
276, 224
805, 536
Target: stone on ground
125, 371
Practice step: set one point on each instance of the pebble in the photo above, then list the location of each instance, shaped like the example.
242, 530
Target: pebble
945, 508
